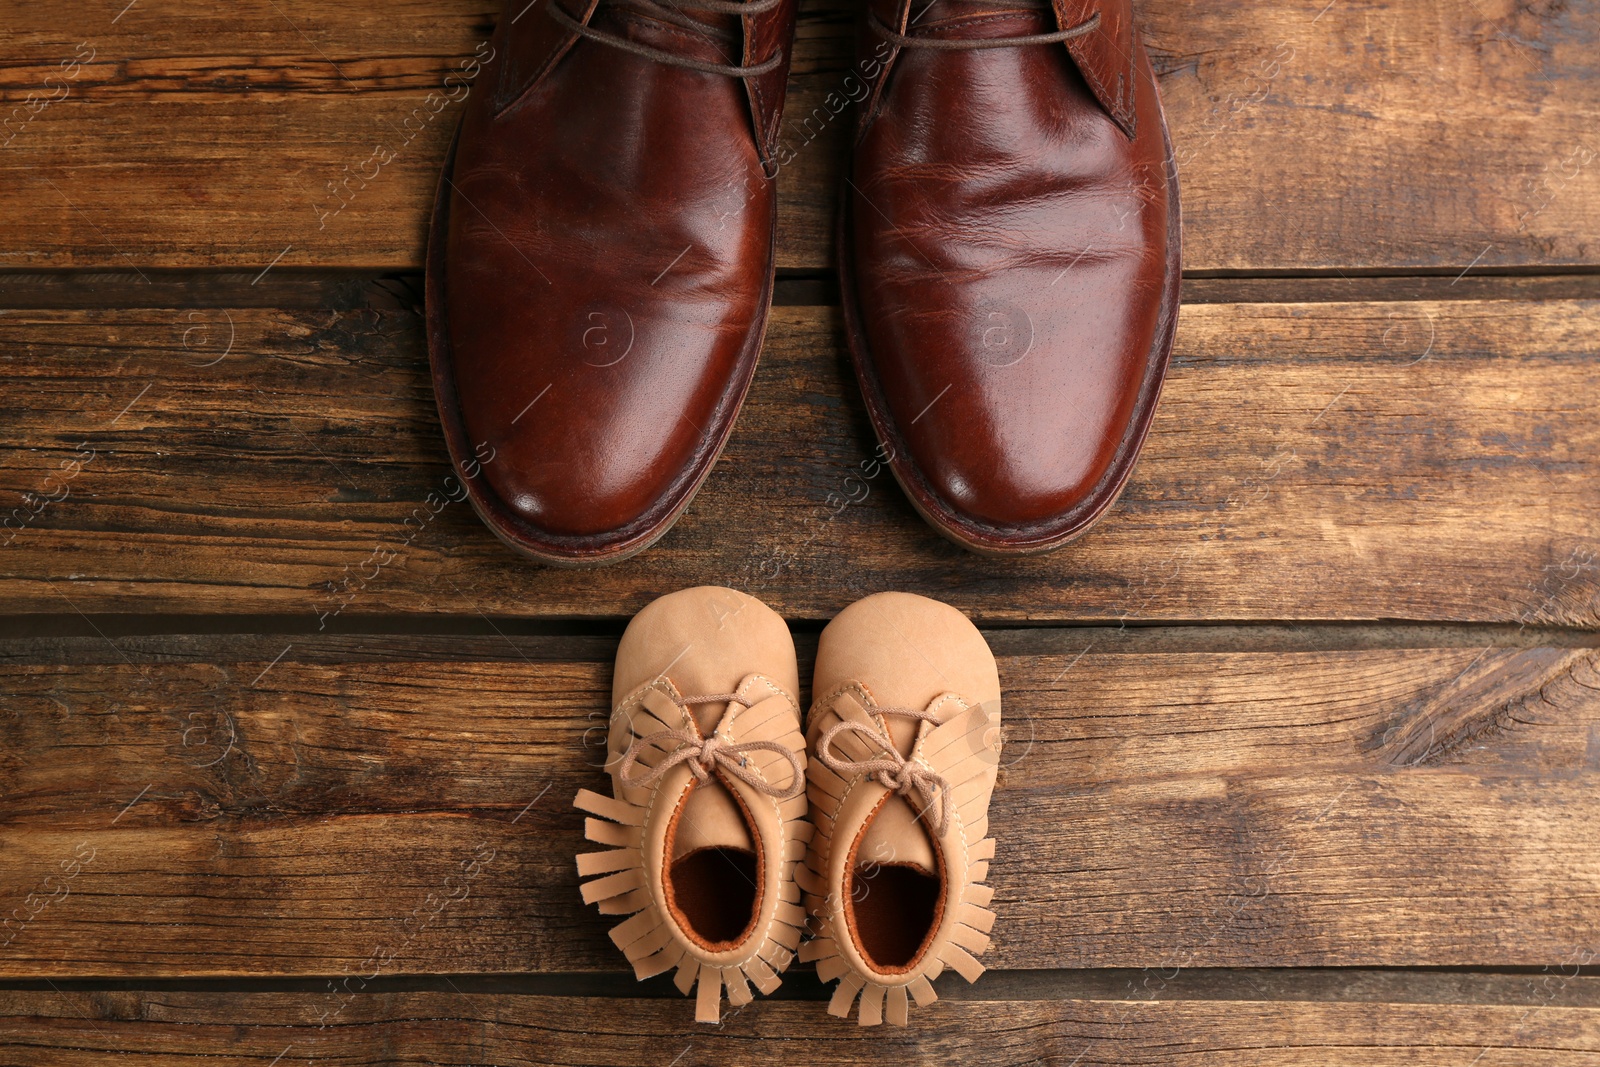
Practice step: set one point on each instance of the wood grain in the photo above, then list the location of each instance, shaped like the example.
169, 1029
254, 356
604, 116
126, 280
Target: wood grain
246, 807
1426, 460
297, 846
1367, 135
166, 1029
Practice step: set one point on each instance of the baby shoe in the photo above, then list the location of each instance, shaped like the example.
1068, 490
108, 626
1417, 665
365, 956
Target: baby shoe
905, 731
706, 820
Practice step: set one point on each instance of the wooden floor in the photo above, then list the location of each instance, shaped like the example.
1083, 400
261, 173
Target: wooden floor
1303, 742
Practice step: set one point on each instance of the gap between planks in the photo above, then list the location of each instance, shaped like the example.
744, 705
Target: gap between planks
157, 638
292, 287
1556, 987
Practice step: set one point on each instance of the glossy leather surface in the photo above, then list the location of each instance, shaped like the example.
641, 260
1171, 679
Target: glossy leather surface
600, 269
1009, 250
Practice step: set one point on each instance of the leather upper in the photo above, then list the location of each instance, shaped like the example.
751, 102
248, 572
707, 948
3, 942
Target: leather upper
533, 47
963, 750
606, 263
900, 672
772, 716
1107, 56
1009, 245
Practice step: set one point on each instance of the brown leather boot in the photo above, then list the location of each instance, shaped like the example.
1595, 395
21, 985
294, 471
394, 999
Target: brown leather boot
706, 820
905, 736
600, 263
1009, 252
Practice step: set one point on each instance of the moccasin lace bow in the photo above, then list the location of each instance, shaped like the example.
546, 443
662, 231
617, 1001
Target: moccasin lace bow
892, 769
706, 754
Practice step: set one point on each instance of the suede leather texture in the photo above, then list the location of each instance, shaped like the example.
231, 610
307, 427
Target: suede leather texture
898, 650
706, 641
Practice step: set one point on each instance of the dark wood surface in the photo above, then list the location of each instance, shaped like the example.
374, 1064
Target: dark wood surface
165, 1029
1303, 742
1336, 460
1204, 807
1368, 136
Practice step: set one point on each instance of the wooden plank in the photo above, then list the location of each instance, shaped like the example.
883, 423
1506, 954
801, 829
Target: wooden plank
1371, 135
1427, 460
208, 807
176, 1028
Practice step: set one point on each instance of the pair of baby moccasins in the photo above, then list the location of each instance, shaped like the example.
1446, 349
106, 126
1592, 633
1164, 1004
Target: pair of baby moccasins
731, 834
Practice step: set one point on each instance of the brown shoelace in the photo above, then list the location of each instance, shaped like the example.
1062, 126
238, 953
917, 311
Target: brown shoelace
892, 769
953, 44
704, 755
666, 11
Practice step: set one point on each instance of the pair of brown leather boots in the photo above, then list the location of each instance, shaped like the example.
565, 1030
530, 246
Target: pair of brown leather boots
601, 260
730, 833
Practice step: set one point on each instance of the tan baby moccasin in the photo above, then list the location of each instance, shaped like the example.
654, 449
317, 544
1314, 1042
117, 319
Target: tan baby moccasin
905, 736
706, 821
